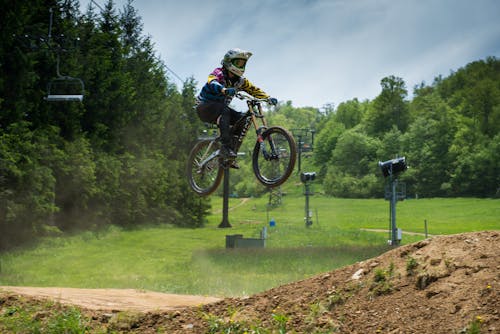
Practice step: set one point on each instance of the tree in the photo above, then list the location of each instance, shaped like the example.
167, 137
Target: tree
388, 109
27, 186
294, 118
350, 113
76, 183
116, 158
353, 166
426, 150
326, 142
475, 165
391, 145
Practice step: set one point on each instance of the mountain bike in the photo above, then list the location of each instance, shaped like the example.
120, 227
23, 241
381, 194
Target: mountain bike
273, 157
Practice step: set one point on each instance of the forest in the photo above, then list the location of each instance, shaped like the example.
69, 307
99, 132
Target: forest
118, 156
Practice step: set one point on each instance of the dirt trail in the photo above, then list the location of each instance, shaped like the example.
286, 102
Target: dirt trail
113, 299
378, 230
242, 202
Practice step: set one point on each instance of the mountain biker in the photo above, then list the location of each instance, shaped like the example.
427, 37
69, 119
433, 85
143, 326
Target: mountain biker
212, 103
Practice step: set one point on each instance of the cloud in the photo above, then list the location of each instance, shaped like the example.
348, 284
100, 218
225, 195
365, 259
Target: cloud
314, 52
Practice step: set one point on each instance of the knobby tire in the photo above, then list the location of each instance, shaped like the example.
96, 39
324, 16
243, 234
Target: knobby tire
276, 169
205, 179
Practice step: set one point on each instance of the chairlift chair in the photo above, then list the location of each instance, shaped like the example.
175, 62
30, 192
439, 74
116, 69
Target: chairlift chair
64, 88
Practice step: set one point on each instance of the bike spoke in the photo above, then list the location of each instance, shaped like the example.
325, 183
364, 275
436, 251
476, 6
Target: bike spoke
276, 158
204, 173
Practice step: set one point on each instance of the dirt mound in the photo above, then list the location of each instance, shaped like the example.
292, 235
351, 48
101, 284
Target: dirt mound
447, 284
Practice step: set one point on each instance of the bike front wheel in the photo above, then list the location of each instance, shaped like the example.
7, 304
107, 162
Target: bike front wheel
203, 169
274, 158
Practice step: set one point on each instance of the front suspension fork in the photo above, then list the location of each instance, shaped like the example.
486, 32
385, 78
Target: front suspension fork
260, 139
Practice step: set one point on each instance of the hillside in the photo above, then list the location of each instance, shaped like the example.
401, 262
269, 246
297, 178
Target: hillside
447, 284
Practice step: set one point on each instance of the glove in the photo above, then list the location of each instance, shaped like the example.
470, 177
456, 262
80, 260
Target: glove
229, 91
272, 101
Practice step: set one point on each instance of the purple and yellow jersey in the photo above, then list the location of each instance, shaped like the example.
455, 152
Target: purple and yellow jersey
212, 90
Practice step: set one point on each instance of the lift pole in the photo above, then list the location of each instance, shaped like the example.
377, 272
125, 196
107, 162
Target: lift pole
307, 178
392, 168
225, 198
394, 230
307, 216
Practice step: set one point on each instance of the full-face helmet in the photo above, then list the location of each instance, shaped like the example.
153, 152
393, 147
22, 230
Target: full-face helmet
235, 61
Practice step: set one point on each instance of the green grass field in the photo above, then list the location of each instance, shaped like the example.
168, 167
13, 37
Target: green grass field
195, 261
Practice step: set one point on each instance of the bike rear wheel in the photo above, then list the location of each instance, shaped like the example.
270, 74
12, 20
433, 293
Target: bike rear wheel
203, 169
274, 159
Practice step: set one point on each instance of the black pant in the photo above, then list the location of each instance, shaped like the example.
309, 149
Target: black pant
210, 111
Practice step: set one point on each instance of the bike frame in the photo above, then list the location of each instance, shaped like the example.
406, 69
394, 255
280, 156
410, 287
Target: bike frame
254, 112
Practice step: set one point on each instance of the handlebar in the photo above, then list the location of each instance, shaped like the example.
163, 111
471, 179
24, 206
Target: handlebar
246, 96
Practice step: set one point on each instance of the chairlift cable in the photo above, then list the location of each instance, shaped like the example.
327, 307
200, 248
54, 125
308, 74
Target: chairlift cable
50, 27
95, 3
168, 68
175, 74
57, 65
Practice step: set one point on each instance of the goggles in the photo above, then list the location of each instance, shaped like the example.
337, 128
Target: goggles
239, 63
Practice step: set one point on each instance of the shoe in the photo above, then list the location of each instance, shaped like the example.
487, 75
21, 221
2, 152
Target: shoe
227, 153
234, 165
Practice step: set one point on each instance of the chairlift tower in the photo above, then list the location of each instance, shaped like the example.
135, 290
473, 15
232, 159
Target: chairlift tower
275, 195
301, 135
392, 168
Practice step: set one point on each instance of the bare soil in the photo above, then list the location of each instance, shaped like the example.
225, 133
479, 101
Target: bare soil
113, 299
439, 285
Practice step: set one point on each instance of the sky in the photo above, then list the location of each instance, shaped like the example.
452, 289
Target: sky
318, 52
